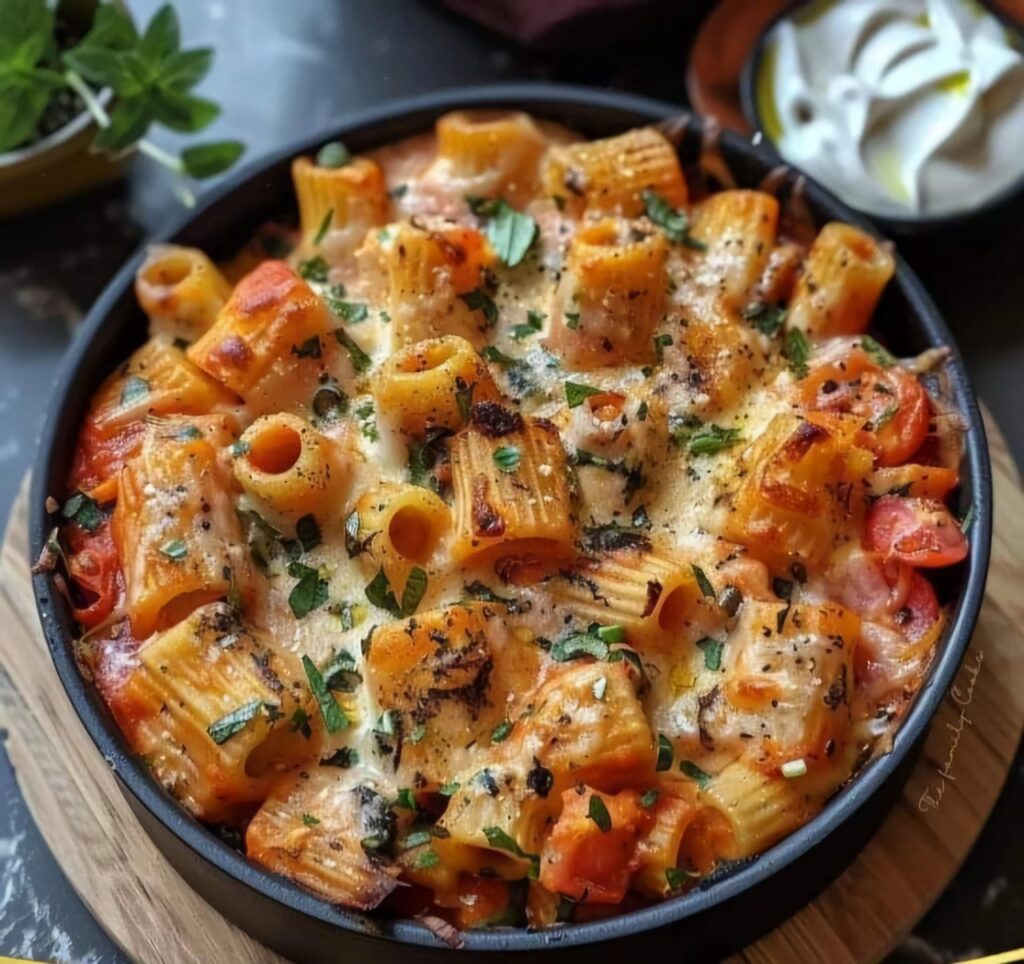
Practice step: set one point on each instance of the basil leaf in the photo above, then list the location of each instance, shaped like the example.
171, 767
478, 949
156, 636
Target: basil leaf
576, 393
333, 155
534, 323
712, 439
649, 799
575, 647
572, 320
797, 350
507, 458
360, 360
133, 389
497, 356
598, 812
501, 731
314, 269
351, 312
227, 726
767, 319
666, 753
426, 860
345, 758
379, 592
695, 773
208, 160
333, 715
879, 353
712, 650
310, 348
325, 226
83, 511
511, 233
309, 593
882, 418
479, 300
500, 840
308, 532
415, 587
675, 224
702, 581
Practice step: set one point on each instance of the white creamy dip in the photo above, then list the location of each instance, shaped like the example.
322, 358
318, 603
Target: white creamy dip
898, 106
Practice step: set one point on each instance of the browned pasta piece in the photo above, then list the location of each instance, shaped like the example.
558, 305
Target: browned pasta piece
181, 291
433, 384
209, 706
312, 827
175, 526
611, 175
348, 199
610, 297
489, 154
844, 276
511, 486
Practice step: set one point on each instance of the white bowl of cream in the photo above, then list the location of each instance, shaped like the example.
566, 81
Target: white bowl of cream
907, 109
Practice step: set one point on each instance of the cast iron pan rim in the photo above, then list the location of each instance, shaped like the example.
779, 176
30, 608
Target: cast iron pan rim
541, 98
891, 223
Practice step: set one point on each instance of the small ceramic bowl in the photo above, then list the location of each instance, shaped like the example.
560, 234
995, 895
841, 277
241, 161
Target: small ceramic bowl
1004, 204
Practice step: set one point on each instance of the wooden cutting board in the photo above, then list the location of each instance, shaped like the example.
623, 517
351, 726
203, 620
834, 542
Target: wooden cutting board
157, 919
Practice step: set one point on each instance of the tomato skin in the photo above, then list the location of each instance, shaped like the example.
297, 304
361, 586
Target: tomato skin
100, 455
892, 402
920, 610
921, 532
95, 567
585, 863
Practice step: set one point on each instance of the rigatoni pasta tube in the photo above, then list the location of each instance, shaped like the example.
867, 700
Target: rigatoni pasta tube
400, 527
209, 706
433, 384
180, 290
844, 275
350, 198
611, 175
175, 526
290, 470
511, 484
489, 153
610, 297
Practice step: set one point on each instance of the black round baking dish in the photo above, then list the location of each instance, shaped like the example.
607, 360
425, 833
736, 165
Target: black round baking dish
729, 910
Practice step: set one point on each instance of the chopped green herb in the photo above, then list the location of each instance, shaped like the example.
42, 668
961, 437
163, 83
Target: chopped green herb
314, 269
333, 154
449, 789
308, 532
227, 726
712, 650
796, 349
175, 549
641, 412
497, 356
407, 801
507, 458
575, 647
352, 312
576, 393
238, 449
766, 318
649, 799
83, 511
611, 634
534, 323
426, 860
379, 592
879, 353
309, 820
661, 342
703, 582
325, 226
368, 427
415, 587
300, 723
309, 593
501, 731
360, 360
598, 812
133, 389
500, 840
695, 773
882, 418
345, 758
510, 232
641, 520
333, 715
464, 398
341, 673
572, 320
712, 439
968, 520
479, 300
418, 733
675, 224
666, 753
675, 877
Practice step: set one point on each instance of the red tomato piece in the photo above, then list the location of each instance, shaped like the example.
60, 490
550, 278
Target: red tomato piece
921, 532
920, 610
587, 861
95, 568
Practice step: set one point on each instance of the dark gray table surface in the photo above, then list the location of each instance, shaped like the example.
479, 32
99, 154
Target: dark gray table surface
286, 69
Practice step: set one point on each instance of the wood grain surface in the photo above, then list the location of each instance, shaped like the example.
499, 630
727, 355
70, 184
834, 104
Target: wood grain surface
154, 916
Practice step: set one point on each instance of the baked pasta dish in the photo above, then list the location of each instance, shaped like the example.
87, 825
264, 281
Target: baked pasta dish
524, 534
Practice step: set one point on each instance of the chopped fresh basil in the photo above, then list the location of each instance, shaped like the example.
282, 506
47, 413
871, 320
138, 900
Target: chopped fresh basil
227, 726
695, 773
702, 581
352, 312
576, 393
641, 520
189, 433
325, 226
507, 458
534, 323
333, 715
766, 318
712, 439
341, 673
345, 758
479, 300
796, 349
300, 723
675, 877
661, 342
309, 820
641, 412
572, 320
449, 789
649, 799
501, 731
497, 356
407, 801
368, 422
510, 232
500, 840
133, 389
426, 860
464, 398
675, 224
83, 511
309, 593
879, 353
314, 269
380, 593
308, 532
598, 812
882, 419
666, 753
238, 449
575, 647
333, 154
175, 549
360, 360
415, 587
712, 650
